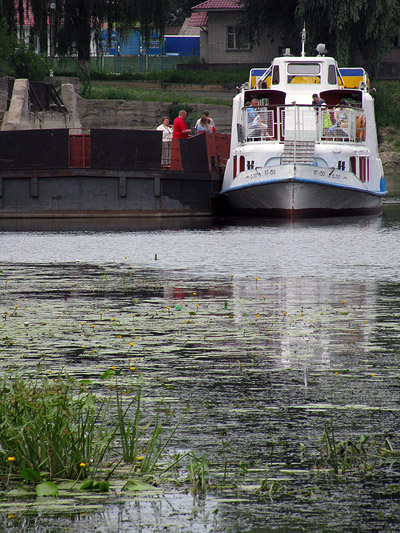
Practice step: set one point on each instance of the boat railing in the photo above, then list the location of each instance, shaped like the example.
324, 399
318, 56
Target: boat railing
258, 123
301, 123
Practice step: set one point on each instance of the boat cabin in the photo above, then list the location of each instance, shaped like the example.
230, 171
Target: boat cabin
278, 102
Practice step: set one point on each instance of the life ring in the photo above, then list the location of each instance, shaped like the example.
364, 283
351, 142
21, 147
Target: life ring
360, 128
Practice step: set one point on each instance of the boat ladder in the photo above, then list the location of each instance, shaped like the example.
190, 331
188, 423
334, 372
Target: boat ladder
301, 152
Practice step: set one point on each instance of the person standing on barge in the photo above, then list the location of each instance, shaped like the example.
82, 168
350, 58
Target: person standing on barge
166, 141
181, 131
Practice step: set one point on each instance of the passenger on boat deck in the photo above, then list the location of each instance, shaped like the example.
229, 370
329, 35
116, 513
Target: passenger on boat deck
258, 128
317, 100
181, 131
341, 117
207, 114
252, 112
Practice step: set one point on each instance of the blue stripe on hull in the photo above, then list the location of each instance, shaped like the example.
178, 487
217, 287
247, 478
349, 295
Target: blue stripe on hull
303, 180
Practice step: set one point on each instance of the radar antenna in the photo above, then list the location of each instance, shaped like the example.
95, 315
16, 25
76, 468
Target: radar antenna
303, 41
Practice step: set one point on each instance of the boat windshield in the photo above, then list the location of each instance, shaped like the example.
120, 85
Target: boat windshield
304, 73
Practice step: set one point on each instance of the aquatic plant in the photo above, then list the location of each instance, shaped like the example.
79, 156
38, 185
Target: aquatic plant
58, 428
198, 472
345, 455
132, 431
53, 425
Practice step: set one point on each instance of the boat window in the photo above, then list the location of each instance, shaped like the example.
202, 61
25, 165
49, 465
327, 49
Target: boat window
304, 73
275, 75
332, 78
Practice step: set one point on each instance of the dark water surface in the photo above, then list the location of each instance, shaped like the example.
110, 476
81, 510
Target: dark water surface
261, 331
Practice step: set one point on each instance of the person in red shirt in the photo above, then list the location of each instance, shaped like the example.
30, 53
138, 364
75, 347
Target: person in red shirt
181, 131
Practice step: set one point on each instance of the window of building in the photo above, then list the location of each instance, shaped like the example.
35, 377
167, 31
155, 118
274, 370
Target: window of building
236, 38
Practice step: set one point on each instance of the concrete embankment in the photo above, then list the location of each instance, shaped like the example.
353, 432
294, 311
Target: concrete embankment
129, 114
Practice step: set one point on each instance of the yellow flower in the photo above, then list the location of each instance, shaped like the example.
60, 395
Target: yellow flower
132, 368
344, 301
140, 458
11, 459
82, 465
113, 368
112, 319
372, 375
131, 344
93, 325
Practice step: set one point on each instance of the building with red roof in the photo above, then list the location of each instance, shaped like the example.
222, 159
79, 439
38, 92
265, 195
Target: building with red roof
223, 40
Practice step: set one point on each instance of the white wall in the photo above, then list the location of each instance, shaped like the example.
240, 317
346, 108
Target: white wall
217, 42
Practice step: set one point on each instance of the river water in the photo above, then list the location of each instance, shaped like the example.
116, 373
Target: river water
262, 332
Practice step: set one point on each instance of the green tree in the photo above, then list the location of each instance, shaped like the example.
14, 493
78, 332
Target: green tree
354, 31
18, 59
76, 21
8, 43
179, 10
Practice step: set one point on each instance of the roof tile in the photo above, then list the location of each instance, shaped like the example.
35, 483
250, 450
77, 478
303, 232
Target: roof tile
199, 19
210, 5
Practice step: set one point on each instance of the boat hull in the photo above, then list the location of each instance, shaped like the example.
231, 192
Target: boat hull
300, 196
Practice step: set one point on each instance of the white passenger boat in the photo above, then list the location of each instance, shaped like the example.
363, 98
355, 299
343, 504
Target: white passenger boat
292, 156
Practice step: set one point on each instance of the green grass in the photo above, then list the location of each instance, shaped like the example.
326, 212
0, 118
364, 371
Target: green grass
200, 77
151, 95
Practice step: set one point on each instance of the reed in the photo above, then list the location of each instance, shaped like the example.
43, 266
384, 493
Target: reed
58, 428
198, 473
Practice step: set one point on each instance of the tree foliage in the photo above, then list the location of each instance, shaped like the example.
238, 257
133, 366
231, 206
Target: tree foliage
354, 31
17, 59
179, 10
76, 21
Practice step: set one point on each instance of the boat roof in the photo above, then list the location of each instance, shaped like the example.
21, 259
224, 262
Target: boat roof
301, 76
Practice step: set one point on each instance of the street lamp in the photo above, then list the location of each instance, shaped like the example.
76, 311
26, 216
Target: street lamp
52, 36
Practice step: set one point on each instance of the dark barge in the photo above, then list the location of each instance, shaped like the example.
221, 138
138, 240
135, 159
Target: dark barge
49, 173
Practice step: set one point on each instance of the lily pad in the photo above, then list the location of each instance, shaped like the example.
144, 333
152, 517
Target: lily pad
137, 485
47, 488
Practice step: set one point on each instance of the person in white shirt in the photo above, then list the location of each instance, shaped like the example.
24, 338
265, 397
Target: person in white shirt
167, 131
